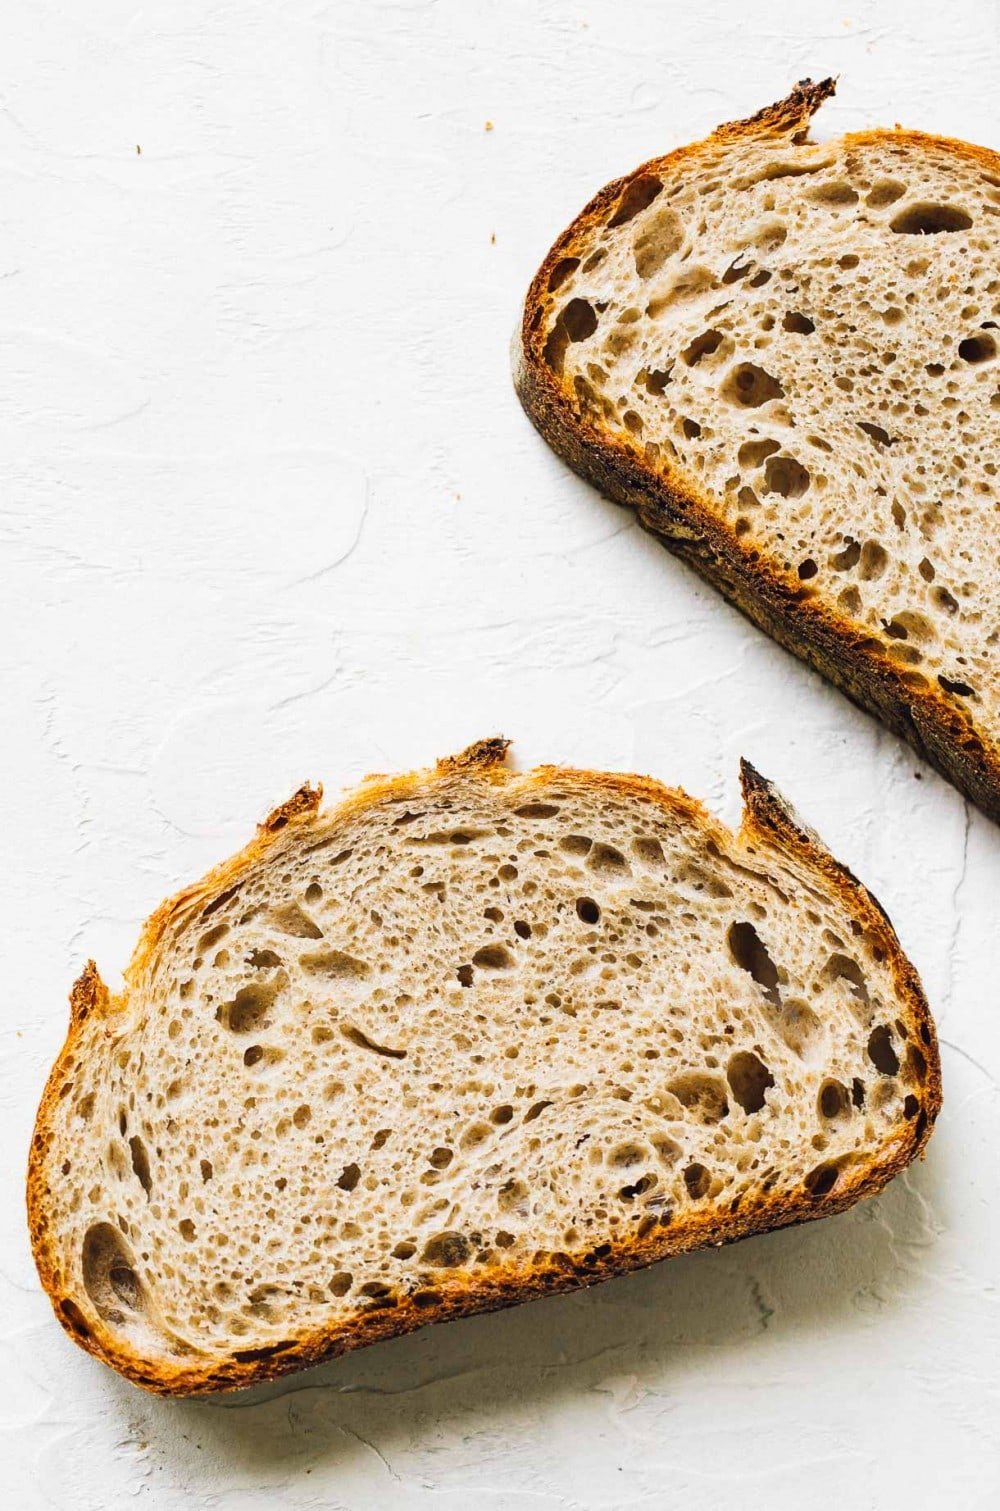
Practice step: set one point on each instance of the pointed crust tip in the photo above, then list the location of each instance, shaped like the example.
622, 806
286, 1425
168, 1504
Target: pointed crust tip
790, 116
301, 805
88, 994
480, 756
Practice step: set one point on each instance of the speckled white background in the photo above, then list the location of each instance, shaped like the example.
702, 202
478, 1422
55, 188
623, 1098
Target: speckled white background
270, 511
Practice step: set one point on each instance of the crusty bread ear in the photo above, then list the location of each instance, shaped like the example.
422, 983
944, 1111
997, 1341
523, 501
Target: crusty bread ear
473, 1036
786, 358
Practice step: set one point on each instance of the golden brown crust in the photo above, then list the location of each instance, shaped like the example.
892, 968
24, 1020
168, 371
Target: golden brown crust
768, 822
670, 505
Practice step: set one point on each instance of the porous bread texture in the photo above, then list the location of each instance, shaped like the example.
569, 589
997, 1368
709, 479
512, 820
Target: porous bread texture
804, 337
471, 1036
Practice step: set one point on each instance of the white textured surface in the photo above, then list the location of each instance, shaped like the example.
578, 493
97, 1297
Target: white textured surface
270, 511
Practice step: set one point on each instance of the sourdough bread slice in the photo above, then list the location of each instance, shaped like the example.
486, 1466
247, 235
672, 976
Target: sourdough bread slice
784, 357
471, 1037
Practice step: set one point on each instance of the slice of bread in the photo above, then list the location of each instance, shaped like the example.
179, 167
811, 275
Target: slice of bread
471, 1037
784, 357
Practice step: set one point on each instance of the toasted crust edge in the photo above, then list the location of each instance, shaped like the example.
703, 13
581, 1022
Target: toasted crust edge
767, 820
672, 507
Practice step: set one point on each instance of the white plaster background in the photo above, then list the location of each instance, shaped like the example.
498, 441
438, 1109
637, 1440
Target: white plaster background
270, 511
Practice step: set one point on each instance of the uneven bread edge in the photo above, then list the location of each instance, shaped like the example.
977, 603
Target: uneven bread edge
671, 506
767, 820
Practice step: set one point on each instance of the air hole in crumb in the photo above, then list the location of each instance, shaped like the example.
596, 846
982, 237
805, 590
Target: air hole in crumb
446, 1250
691, 429
807, 569
140, 1163
637, 196
425, 1299
404, 1250
109, 1277
262, 960
609, 861
916, 1064
881, 437
513, 1197
749, 1080
858, 1092
654, 380
494, 957
349, 1177
785, 476
249, 1008
537, 810
976, 349
952, 685
649, 850
624, 1156
186, 1229
799, 325
750, 954
750, 386
219, 902
881, 1052
885, 192
293, 920
213, 936
562, 270
588, 910
335, 964
842, 968
361, 1039
736, 271
798, 1026
874, 560
927, 219
702, 346
341, 1283
465, 974
821, 1180
847, 559
834, 192
637, 1188
834, 1100
697, 1180
755, 453
575, 844
474, 1135
501, 1115
659, 238
941, 598
579, 320
703, 1096
441, 1157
